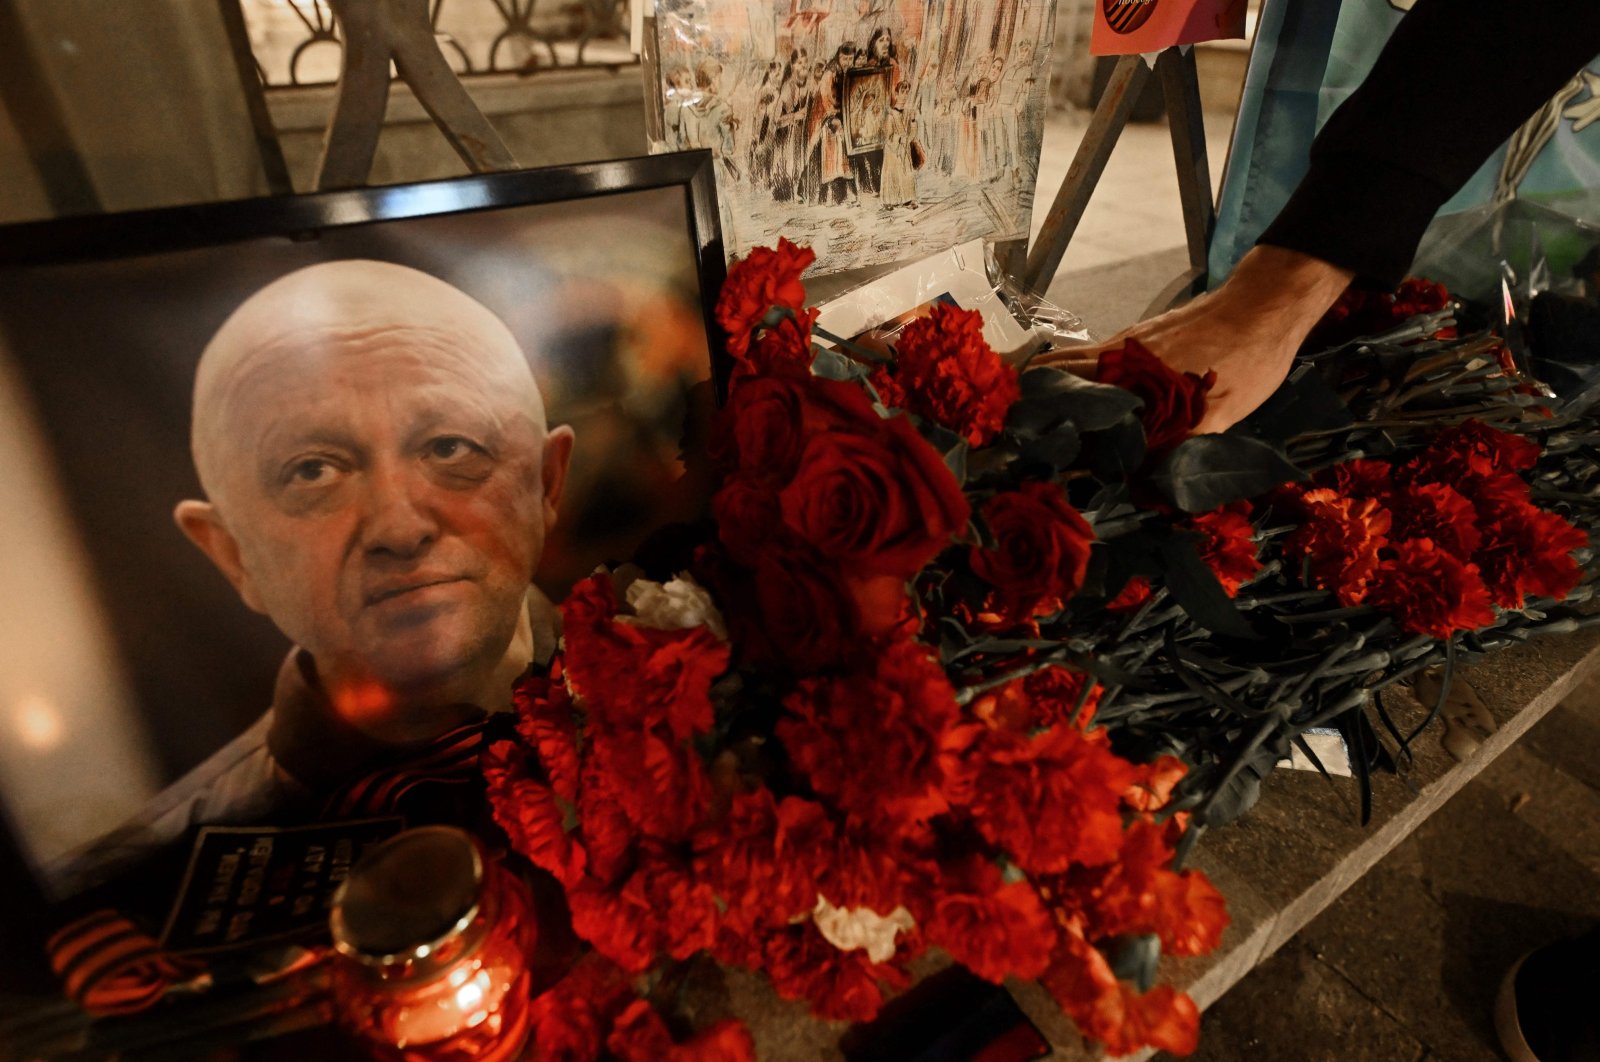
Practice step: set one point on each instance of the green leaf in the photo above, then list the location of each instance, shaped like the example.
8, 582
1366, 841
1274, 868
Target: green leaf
1056, 449
1302, 403
1051, 396
1134, 958
1207, 471
1196, 590
955, 459
1116, 452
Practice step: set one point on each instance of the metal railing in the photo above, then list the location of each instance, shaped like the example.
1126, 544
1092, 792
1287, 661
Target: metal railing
296, 42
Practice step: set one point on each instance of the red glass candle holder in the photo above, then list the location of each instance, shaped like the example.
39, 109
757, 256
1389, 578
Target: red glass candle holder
432, 943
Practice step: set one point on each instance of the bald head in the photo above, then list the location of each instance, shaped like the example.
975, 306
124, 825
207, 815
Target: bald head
342, 311
380, 481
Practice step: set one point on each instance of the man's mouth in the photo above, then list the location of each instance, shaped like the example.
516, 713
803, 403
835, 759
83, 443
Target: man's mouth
390, 591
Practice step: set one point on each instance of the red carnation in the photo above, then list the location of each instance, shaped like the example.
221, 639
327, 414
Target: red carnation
785, 346
1435, 511
1114, 1012
1140, 893
996, 929
946, 371
873, 743
1431, 592
1134, 593
528, 811
1051, 799
627, 675
1046, 698
1361, 478
1527, 552
763, 859
1174, 402
756, 283
1040, 552
1473, 455
1339, 539
842, 985
546, 720
659, 781
1228, 545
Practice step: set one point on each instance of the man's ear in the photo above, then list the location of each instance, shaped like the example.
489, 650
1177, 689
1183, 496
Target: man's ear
200, 523
557, 456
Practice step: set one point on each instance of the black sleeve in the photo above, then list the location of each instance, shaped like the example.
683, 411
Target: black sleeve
1454, 81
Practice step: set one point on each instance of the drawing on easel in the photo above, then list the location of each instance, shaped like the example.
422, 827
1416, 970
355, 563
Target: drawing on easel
874, 130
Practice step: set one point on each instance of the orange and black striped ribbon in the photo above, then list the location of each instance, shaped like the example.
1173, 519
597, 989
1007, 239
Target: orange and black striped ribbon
108, 965
451, 760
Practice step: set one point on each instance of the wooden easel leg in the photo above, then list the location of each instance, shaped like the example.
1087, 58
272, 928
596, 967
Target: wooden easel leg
1180, 86
1110, 117
423, 66
360, 100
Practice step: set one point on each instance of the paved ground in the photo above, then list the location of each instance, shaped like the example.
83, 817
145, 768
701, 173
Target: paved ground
1406, 964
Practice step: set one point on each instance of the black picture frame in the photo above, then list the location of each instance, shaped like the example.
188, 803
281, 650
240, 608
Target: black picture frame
124, 241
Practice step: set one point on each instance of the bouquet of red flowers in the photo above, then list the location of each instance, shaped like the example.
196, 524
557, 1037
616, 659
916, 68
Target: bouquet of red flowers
969, 653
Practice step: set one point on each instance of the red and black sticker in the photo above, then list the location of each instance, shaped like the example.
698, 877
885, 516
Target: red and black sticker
1125, 16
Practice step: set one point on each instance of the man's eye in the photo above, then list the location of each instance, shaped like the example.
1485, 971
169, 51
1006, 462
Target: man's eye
451, 447
310, 470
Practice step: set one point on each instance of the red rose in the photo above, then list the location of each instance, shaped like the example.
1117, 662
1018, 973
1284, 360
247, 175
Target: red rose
1338, 541
1435, 511
946, 371
756, 283
1527, 552
1228, 545
1040, 552
1431, 592
867, 492
759, 433
749, 519
1174, 402
880, 502
802, 616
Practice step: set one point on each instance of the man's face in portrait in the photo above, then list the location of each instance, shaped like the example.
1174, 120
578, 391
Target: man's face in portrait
379, 474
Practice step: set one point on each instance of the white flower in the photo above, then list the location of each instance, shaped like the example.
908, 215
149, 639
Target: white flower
677, 606
861, 927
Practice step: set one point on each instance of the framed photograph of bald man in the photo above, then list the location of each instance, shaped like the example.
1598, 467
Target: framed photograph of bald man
331, 449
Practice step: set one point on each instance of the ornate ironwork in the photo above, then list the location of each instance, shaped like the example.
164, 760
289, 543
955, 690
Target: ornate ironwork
478, 36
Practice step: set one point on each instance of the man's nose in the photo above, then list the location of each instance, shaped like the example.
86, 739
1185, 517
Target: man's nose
399, 521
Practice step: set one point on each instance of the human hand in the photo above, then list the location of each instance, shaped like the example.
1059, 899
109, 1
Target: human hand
1248, 331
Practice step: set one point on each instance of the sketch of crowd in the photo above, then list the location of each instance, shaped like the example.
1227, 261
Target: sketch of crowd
866, 123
